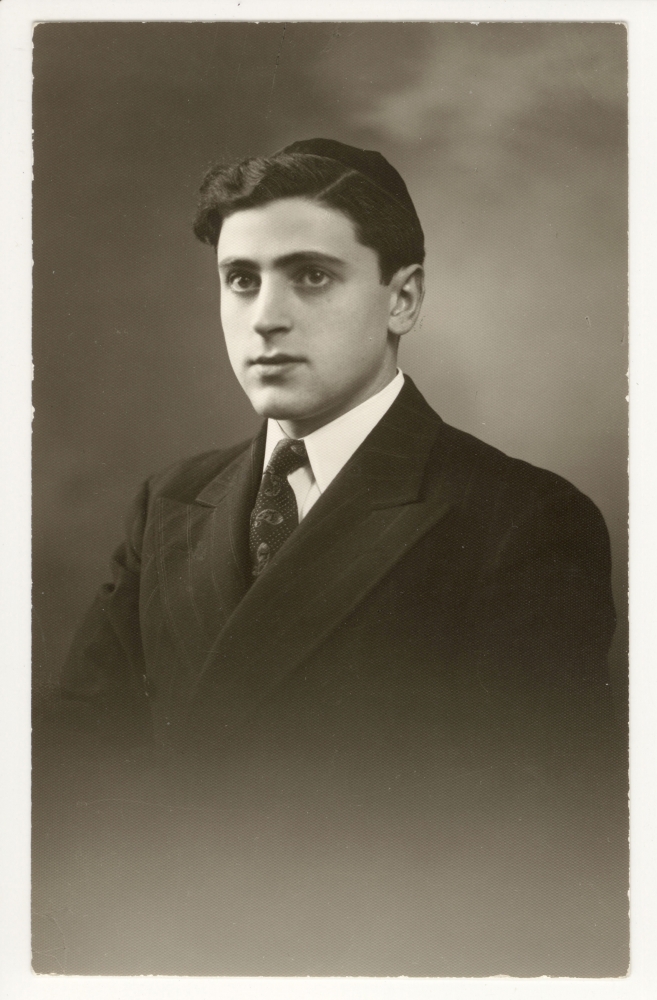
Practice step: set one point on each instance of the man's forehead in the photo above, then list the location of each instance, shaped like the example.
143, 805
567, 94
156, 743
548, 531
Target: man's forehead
288, 225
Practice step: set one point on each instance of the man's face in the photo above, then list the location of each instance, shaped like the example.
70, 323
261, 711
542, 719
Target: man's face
304, 312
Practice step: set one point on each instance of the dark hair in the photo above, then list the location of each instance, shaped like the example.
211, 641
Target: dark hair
381, 221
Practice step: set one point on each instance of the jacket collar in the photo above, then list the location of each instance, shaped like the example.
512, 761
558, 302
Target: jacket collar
243, 473
392, 457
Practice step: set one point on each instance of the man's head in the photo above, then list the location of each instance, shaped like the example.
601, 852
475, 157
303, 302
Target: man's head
320, 255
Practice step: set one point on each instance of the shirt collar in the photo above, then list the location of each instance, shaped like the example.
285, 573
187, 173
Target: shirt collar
330, 447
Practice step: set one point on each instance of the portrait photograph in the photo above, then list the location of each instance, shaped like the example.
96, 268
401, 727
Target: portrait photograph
330, 499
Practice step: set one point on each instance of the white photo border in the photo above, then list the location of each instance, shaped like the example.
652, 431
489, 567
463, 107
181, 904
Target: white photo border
17, 18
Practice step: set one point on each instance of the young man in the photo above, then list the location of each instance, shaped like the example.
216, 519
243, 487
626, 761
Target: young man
374, 642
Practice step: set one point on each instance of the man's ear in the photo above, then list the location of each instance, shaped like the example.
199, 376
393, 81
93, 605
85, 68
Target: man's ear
406, 295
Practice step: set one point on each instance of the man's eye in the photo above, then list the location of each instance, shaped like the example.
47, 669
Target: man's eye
238, 281
313, 277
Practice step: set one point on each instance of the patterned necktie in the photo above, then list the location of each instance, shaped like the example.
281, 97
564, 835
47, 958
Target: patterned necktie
275, 515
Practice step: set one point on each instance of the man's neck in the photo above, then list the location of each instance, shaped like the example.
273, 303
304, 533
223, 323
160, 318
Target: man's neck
302, 428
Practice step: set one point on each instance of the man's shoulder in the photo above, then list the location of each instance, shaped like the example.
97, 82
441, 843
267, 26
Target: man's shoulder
478, 471
495, 481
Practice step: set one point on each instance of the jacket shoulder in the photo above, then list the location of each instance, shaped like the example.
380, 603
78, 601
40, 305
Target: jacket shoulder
479, 470
487, 472
518, 507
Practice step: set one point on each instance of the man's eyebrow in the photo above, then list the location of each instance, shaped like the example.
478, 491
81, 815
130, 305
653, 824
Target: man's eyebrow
286, 260
308, 257
238, 262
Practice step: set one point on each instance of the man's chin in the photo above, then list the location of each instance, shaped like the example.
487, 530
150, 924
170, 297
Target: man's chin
277, 410
277, 405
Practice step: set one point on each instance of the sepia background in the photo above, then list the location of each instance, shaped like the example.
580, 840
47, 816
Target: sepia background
512, 140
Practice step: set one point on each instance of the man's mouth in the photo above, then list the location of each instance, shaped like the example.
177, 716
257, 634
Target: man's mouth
275, 360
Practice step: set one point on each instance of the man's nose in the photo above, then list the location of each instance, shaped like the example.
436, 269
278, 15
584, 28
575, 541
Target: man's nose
272, 308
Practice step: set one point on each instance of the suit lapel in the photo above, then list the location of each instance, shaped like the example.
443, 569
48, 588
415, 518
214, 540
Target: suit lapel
203, 556
380, 505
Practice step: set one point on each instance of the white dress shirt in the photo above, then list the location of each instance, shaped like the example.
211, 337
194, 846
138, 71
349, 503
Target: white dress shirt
331, 446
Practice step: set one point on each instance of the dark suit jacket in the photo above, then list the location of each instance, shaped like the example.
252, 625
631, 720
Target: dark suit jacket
407, 716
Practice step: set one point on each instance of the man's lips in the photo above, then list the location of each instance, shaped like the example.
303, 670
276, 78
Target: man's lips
276, 359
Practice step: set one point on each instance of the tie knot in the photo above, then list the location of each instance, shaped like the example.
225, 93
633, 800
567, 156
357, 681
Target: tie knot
288, 456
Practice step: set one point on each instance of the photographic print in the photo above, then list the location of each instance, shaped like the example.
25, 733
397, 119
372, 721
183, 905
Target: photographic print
330, 499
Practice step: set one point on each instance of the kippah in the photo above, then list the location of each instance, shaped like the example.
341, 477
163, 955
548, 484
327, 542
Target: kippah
367, 161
